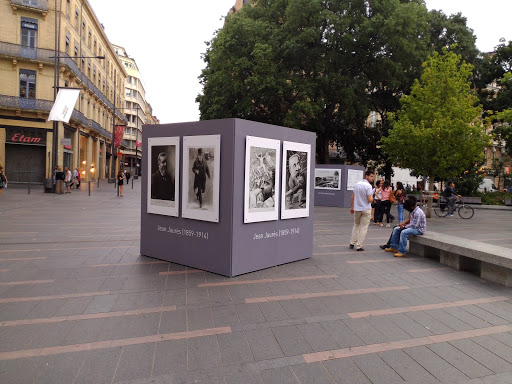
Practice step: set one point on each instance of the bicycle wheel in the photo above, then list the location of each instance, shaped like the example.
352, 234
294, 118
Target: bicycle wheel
441, 210
466, 211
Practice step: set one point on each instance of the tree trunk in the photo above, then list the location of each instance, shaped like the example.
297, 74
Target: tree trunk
323, 155
430, 195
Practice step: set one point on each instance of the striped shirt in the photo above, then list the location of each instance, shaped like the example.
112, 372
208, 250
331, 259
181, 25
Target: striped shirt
418, 220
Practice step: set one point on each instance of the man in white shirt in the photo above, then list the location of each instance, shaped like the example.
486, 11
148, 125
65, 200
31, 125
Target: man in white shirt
361, 208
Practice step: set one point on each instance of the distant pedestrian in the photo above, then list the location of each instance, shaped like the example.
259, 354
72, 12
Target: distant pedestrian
386, 204
67, 179
76, 177
59, 180
55, 170
360, 207
377, 196
120, 182
417, 226
451, 197
127, 175
3, 180
400, 199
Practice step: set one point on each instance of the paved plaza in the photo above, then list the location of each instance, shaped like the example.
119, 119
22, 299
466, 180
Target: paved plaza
78, 304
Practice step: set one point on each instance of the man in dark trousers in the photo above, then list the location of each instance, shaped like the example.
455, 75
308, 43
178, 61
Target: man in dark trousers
162, 182
201, 170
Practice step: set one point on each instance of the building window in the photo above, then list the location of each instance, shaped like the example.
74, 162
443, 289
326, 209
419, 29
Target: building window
68, 2
68, 38
28, 32
27, 84
76, 51
31, 3
83, 29
76, 18
89, 38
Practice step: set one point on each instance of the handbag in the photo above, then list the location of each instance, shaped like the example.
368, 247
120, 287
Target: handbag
392, 198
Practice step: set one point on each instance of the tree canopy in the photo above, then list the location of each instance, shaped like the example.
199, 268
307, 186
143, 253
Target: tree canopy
438, 132
323, 65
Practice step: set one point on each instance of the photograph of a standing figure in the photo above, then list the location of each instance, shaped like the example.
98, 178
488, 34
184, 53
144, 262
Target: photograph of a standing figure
261, 176
163, 164
201, 163
295, 198
201, 170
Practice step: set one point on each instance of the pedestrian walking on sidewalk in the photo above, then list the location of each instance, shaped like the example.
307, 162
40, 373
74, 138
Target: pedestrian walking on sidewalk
68, 179
360, 207
3, 180
59, 181
120, 182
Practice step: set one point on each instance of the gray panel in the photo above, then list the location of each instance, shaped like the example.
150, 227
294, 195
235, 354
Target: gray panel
252, 254
214, 253
332, 198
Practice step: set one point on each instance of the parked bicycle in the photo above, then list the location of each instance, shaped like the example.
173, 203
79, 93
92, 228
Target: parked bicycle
465, 211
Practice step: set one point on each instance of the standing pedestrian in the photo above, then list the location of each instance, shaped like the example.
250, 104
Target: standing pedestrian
76, 177
377, 194
127, 176
400, 198
386, 204
360, 207
55, 170
59, 180
68, 179
3, 180
120, 182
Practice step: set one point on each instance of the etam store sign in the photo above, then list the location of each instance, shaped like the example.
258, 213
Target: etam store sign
24, 136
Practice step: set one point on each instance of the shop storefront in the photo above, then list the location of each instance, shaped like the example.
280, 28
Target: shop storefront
25, 154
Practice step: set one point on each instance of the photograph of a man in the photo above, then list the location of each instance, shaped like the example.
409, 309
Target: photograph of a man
201, 170
296, 171
162, 180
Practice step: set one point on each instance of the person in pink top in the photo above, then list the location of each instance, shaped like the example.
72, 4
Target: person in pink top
385, 203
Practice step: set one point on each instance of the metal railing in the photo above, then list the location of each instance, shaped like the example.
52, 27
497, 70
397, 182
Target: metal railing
34, 4
44, 55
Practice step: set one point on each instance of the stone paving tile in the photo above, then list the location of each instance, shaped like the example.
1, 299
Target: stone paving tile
482, 355
434, 364
225, 315
263, 344
234, 348
170, 357
200, 318
135, 362
203, 353
459, 360
342, 334
429, 322
291, 341
497, 345
376, 369
272, 311
21, 371
246, 378
283, 375
314, 373
99, 366
249, 313
345, 371
317, 338
407, 368
365, 331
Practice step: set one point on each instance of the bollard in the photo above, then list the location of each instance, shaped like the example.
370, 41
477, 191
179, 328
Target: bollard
98, 182
89, 182
29, 187
117, 189
132, 183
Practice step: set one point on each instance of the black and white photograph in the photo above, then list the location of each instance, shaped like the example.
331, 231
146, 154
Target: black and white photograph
163, 184
201, 179
327, 178
261, 176
295, 187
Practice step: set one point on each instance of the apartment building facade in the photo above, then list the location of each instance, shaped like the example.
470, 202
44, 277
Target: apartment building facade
44, 45
137, 110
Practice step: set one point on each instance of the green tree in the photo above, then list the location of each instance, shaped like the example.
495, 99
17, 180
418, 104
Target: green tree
438, 131
319, 65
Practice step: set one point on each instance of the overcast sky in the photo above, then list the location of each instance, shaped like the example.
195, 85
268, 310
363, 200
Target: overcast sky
167, 38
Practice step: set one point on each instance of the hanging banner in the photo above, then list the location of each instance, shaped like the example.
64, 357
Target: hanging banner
138, 143
119, 135
64, 104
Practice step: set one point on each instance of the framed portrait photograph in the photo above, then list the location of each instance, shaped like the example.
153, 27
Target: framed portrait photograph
261, 194
163, 175
328, 178
201, 178
295, 181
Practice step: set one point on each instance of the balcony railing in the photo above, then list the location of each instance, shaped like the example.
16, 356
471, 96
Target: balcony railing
41, 5
43, 55
38, 105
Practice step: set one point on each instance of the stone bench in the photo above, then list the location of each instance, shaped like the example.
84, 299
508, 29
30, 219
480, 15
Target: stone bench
472, 200
490, 262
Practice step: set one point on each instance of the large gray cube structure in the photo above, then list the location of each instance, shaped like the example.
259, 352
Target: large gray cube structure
228, 247
339, 198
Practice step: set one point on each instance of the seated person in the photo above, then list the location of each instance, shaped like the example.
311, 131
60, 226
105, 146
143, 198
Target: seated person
417, 226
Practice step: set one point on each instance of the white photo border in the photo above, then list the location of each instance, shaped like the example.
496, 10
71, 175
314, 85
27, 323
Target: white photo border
164, 208
302, 212
252, 141
333, 170
196, 142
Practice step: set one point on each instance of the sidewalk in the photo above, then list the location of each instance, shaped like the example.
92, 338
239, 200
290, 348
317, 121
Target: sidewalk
78, 304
